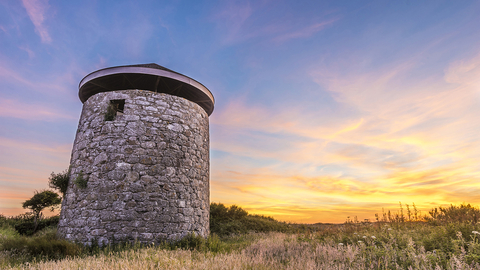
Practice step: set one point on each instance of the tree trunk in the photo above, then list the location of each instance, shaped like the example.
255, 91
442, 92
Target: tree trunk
35, 222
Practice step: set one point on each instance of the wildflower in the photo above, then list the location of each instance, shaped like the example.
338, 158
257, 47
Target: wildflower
364, 237
360, 241
340, 244
389, 229
475, 232
373, 236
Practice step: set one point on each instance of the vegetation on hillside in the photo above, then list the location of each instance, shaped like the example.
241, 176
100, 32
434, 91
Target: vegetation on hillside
226, 221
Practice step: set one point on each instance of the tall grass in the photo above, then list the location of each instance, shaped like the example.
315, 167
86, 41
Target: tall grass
405, 241
278, 251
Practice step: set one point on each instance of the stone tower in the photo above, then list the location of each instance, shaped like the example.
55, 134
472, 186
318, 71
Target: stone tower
139, 168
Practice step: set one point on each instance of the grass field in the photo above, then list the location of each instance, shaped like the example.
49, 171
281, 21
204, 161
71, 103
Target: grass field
448, 239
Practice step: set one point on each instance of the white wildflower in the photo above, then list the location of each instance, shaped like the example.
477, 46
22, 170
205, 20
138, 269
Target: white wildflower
373, 236
360, 241
364, 237
340, 244
475, 232
389, 229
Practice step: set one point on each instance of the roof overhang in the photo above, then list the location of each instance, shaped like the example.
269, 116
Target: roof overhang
150, 77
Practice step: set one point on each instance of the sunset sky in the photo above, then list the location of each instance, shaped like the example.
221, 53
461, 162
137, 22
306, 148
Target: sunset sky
324, 109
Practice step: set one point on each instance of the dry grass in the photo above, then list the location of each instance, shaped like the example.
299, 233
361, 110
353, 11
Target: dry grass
269, 251
449, 240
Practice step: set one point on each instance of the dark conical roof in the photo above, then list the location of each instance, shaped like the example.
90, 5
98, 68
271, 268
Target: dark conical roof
151, 77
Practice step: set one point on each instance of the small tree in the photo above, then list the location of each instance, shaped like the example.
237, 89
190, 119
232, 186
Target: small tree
59, 181
40, 201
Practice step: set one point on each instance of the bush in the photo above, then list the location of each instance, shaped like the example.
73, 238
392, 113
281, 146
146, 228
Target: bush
59, 181
191, 242
235, 220
80, 181
42, 246
40, 201
24, 224
464, 213
111, 112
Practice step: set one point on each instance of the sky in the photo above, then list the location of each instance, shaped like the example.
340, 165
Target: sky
324, 110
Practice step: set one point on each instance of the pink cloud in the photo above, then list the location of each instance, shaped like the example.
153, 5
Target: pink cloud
242, 20
36, 10
60, 150
30, 53
52, 85
232, 17
16, 109
466, 72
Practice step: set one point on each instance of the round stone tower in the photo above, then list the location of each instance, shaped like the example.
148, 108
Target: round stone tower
139, 169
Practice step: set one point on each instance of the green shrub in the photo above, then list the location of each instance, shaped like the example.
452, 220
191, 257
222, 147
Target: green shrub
111, 112
59, 181
80, 181
42, 246
25, 224
191, 242
40, 201
7, 231
464, 213
235, 220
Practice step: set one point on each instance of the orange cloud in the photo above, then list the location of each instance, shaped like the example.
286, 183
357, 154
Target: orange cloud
25, 168
409, 141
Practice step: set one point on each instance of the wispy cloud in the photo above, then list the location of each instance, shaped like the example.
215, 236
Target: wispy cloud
304, 32
242, 20
31, 157
56, 84
17, 109
266, 191
25, 167
56, 149
30, 53
36, 10
406, 140
465, 72
232, 17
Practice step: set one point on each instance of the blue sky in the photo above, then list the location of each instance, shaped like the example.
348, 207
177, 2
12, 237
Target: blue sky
324, 109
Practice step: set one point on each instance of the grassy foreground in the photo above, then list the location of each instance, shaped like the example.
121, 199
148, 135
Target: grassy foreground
443, 241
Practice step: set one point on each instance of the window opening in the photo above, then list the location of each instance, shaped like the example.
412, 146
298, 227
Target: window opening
115, 108
118, 105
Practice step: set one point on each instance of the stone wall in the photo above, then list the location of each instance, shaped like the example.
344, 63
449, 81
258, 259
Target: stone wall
147, 171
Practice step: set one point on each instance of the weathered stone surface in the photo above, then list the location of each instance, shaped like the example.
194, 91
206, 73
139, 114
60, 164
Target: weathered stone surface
147, 171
